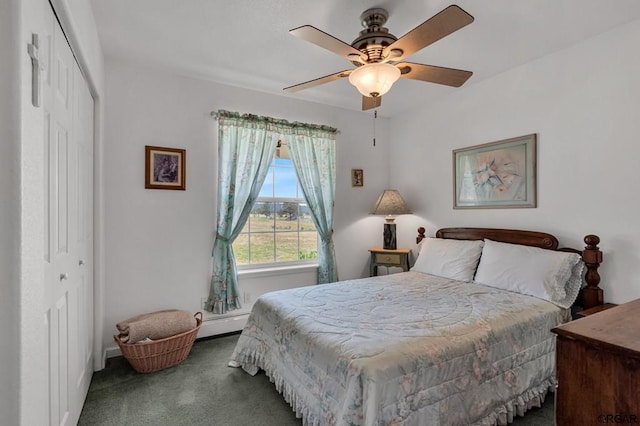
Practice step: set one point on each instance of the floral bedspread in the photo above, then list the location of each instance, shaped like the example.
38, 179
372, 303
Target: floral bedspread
403, 349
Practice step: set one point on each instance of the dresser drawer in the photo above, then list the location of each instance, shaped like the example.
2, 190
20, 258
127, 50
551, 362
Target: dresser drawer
388, 258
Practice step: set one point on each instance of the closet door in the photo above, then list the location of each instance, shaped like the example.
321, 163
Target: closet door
82, 326
68, 131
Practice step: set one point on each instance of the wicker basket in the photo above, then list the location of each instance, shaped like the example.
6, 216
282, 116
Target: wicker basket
146, 357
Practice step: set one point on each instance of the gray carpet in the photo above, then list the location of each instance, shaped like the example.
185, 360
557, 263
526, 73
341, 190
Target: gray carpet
202, 390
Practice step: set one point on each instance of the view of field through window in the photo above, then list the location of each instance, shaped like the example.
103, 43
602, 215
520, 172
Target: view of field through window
279, 228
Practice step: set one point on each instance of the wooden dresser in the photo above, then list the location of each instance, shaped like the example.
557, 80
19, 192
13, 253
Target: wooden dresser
598, 368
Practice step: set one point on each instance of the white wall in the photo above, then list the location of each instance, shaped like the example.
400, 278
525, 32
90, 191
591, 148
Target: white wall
33, 345
158, 242
583, 103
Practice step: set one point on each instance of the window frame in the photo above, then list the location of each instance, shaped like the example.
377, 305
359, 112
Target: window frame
274, 201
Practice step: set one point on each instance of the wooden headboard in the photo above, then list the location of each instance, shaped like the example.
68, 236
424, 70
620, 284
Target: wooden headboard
589, 297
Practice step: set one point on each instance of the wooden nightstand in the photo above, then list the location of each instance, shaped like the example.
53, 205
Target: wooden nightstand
383, 257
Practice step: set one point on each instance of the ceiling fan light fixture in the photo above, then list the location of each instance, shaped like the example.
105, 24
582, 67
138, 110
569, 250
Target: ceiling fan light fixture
375, 79
377, 54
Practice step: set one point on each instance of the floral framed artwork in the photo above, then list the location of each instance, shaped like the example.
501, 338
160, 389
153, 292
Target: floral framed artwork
357, 177
498, 174
164, 168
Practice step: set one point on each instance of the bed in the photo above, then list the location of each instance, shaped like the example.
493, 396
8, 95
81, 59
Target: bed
457, 340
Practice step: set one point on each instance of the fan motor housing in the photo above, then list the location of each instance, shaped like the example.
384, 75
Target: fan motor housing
374, 37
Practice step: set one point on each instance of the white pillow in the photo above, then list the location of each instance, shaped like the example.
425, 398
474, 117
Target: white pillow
550, 275
454, 259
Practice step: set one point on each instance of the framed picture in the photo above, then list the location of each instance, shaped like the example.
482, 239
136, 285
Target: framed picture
357, 177
499, 174
164, 168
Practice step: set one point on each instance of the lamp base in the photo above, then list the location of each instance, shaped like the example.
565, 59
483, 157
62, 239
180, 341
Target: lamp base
389, 237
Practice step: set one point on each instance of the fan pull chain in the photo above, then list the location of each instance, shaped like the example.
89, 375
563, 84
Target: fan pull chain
375, 116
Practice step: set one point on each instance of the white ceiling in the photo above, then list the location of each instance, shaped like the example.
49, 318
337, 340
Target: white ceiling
246, 42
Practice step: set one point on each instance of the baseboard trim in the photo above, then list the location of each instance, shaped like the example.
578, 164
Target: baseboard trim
110, 352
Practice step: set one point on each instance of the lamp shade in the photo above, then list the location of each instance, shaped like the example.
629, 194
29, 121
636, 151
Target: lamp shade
375, 79
390, 203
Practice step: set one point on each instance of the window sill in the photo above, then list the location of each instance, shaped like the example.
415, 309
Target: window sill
277, 270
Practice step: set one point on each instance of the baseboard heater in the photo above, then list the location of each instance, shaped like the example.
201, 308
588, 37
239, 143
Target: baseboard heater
213, 326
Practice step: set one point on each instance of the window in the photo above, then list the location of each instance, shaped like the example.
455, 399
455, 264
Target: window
279, 228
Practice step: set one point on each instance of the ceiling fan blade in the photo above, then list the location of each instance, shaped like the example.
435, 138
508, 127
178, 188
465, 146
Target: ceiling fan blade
318, 81
370, 103
326, 41
432, 74
433, 29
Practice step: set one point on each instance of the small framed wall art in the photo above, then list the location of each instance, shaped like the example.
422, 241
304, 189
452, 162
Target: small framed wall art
495, 175
164, 168
357, 177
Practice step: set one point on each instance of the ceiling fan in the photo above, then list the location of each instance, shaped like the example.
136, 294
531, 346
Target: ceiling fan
379, 56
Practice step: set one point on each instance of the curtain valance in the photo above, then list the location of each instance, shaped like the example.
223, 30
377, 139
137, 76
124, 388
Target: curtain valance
281, 126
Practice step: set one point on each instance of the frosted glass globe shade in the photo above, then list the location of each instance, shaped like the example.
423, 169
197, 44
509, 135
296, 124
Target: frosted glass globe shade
374, 79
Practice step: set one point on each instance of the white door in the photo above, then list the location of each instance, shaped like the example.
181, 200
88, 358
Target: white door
68, 130
83, 136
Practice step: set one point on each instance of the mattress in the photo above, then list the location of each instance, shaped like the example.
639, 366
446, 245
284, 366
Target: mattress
403, 349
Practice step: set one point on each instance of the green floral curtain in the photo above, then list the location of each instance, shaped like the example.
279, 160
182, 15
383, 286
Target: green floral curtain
313, 153
246, 146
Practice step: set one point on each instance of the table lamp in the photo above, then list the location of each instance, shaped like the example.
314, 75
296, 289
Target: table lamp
390, 203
